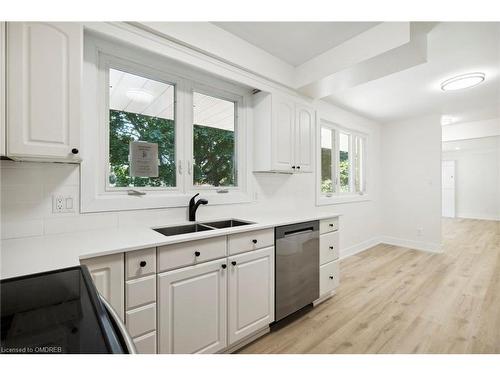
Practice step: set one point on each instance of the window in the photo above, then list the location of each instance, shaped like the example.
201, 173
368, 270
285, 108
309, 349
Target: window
342, 157
197, 122
214, 141
140, 109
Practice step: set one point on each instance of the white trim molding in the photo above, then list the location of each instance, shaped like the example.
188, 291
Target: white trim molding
430, 247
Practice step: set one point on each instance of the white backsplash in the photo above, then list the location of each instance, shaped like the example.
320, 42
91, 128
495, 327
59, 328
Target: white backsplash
27, 189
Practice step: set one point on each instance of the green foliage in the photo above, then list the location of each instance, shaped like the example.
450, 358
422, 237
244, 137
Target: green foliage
126, 127
214, 155
344, 171
326, 170
214, 162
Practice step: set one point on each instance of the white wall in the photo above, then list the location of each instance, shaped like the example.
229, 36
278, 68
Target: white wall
477, 176
469, 130
411, 175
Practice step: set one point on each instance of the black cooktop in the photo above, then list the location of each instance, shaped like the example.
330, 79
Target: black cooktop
55, 312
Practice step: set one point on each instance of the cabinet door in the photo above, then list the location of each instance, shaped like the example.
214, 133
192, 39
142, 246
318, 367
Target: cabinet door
304, 138
2, 89
108, 273
283, 134
192, 309
251, 293
43, 88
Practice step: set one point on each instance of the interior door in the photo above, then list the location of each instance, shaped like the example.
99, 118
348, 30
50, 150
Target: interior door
192, 309
251, 293
448, 186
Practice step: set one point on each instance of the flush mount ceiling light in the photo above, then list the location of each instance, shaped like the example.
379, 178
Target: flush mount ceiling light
138, 95
463, 81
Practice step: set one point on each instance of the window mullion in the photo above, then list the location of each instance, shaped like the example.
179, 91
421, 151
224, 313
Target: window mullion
187, 131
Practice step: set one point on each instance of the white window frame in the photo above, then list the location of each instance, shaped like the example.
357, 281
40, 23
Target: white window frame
337, 196
96, 195
239, 143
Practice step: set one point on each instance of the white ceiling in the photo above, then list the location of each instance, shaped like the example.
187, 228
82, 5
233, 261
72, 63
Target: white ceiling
295, 42
136, 94
453, 48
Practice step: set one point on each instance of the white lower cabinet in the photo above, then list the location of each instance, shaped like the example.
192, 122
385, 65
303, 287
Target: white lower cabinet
109, 278
192, 308
251, 293
146, 344
328, 278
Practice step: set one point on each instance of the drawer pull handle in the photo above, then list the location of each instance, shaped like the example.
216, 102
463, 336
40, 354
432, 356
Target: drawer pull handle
224, 266
331, 247
233, 263
254, 241
331, 225
331, 277
197, 253
142, 263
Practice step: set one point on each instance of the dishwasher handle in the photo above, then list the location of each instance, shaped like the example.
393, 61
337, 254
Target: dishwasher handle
308, 227
298, 231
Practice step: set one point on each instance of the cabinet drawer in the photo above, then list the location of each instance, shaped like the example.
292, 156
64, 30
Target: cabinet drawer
241, 242
328, 247
190, 253
141, 320
140, 263
146, 344
328, 277
140, 292
329, 225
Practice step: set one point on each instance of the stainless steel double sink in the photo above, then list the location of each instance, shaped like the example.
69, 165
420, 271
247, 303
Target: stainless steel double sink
201, 227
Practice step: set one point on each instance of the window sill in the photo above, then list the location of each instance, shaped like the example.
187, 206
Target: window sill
122, 202
339, 199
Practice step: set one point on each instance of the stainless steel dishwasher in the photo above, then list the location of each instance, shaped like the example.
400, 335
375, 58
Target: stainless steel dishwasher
297, 267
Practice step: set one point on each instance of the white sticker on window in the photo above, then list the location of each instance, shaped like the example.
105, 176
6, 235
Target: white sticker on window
143, 159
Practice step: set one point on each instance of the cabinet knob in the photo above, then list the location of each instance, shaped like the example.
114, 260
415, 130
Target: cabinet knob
74, 151
331, 247
330, 225
142, 263
197, 253
298, 166
331, 277
233, 263
254, 241
224, 266
293, 166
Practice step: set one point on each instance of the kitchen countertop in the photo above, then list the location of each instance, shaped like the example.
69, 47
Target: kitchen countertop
23, 256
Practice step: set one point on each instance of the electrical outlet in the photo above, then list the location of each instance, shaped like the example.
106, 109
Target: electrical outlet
62, 204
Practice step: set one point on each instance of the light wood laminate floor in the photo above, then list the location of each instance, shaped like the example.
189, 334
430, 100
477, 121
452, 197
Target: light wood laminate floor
396, 300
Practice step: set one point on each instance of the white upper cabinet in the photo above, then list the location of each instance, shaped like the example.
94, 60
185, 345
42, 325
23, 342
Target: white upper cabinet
2, 88
44, 75
304, 139
251, 293
283, 134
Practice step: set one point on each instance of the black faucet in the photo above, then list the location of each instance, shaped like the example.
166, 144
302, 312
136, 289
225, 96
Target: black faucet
194, 206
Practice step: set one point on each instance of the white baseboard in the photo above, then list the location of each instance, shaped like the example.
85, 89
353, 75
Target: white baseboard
478, 217
358, 248
416, 245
